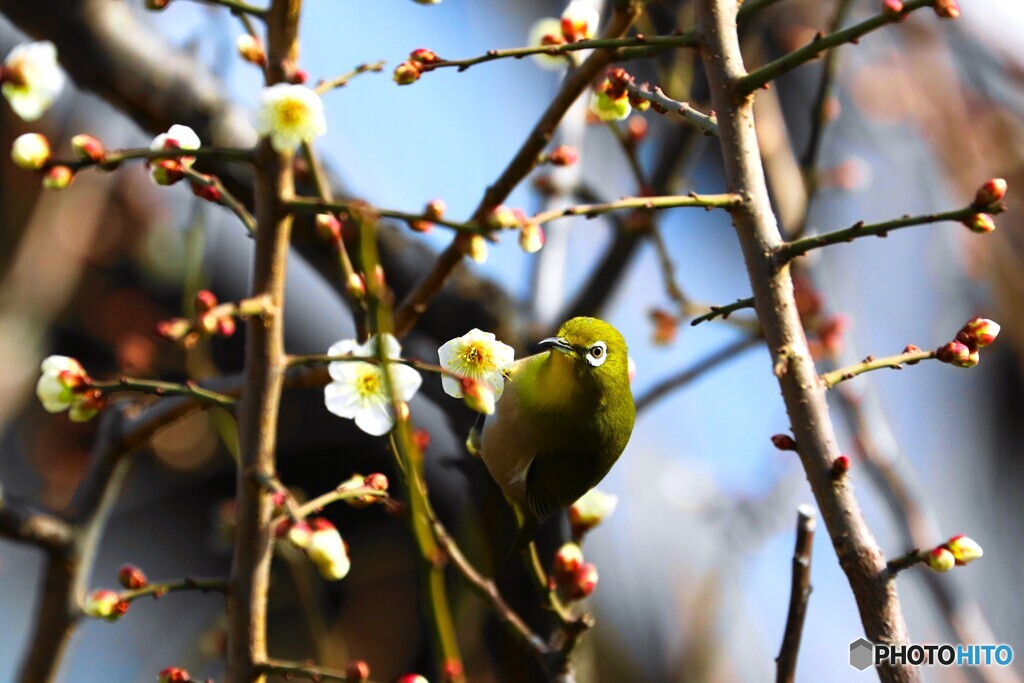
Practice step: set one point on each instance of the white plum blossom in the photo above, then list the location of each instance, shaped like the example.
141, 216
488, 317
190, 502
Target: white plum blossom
579, 21
55, 387
478, 356
358, 390
590, 510
32, 79
168, 171
550, 28
30, 151
289, 115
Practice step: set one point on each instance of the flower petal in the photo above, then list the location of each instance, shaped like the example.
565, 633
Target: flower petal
451, 386
405, 381
342, 399
375, 418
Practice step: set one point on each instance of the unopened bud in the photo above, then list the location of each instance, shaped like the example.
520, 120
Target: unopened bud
940, 559
412, 678
88, 148
473, 246
104, 604
328, 227
608, 108
376, 481
157, 5
226, 326
910, 348
204, 301
357, 671
207, 324
636, 129
947, 9
406, 73
784, 442
563, 155
355, 286
979, 223
840, 466
502, 218
452, 669
434, 210
990, 193
30, 151
173, 674
954, 353
590, 510
300, 535
478, 396
173, 330
583, 582
424, 56
979, 332
568, 560
892, 9
327, 550
531, 237
251, 49
86, 406
421, 437
298, 77
58, 178
205, 187
965, 550
131, 577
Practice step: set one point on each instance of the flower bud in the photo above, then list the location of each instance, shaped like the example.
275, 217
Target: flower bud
406, 73
173, 674
979, 332
608, 108
355, 483
893, 9
58, 178
590, 510
412, 678
328, 227
205, 187
990, 193
784, 442
956, 353
583, 582
357, 671
104, 604
666, 326
207, 324
980, 223
473, 246
965, 550
157, 5
531, 237
88, 148
87, 405
452, 669
840, 466
376, 481
30, 151
421, 437
327, 550
204, 301
434, 210
251, 49
563, 155
940, 559
355, 286
502, 218
478, 396
61, 377
568, 560
579, 21
131, 577
636, 129
947, 9
300, 535
424, 56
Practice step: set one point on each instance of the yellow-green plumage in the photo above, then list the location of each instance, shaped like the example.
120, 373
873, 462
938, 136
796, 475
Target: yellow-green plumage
564, 419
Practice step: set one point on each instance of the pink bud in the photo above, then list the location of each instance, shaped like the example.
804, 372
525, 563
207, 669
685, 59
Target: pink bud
204, 301
568, 560
131, 577
225, 326
88, 148
58, 177
411, 678
965, 550
173, 674
979, 331
424, 56
501, 218
452, 669
990, 193
955, 353
434, 210
563, 155
940, 559
104, 604
421, 437
583, 583
892, 9
980, 223
840, 466
947, 9
328, 227
357, 671
531, 237
478, 396
376, 481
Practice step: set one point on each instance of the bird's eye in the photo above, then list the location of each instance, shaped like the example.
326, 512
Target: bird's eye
597, 353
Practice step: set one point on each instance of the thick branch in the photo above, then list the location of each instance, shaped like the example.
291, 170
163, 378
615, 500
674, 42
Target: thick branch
858, 552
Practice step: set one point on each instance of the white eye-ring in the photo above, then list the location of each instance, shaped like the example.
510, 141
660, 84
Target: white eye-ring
597, 354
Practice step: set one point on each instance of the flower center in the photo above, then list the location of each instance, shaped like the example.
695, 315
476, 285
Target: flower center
291, 112
368, 383
476, 356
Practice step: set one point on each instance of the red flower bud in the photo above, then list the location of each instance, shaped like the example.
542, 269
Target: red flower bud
840, 466
568, 561
424, 56
406, 73
88, 148
421, 437
990, 193
563, 155
357, 671
979, 332
784, 442
583, 583
376, 481
892, 9
947, 9
206, 190
204, 301
356, 286
328, 228
58, 177
452, 669
940, 559
173, 674
131, 577
955, 353
225, 326
434, 210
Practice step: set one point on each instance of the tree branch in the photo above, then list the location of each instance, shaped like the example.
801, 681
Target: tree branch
800, 592
830, 379
663, 104
858, 552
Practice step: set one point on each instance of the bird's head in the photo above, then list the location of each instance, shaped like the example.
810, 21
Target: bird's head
594, 349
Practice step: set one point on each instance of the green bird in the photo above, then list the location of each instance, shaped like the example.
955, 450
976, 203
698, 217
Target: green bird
564, 418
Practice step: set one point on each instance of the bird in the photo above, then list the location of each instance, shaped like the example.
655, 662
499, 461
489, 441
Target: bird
564, 419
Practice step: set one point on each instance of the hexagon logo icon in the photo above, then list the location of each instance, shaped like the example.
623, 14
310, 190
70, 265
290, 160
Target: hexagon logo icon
862, 654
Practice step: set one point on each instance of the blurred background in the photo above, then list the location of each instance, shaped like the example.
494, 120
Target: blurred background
695, 562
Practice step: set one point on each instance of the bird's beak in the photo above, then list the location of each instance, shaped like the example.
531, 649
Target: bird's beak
556, 343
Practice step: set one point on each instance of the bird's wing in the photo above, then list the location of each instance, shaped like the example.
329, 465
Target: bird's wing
551, 482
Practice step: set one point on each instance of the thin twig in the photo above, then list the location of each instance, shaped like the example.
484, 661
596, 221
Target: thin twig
762, 76
290, 670
800, 592
158, 388
696, 371
723, 311
113, 158
830, 379
342, 80
158, 590
237, 7
664, 104
224, 197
